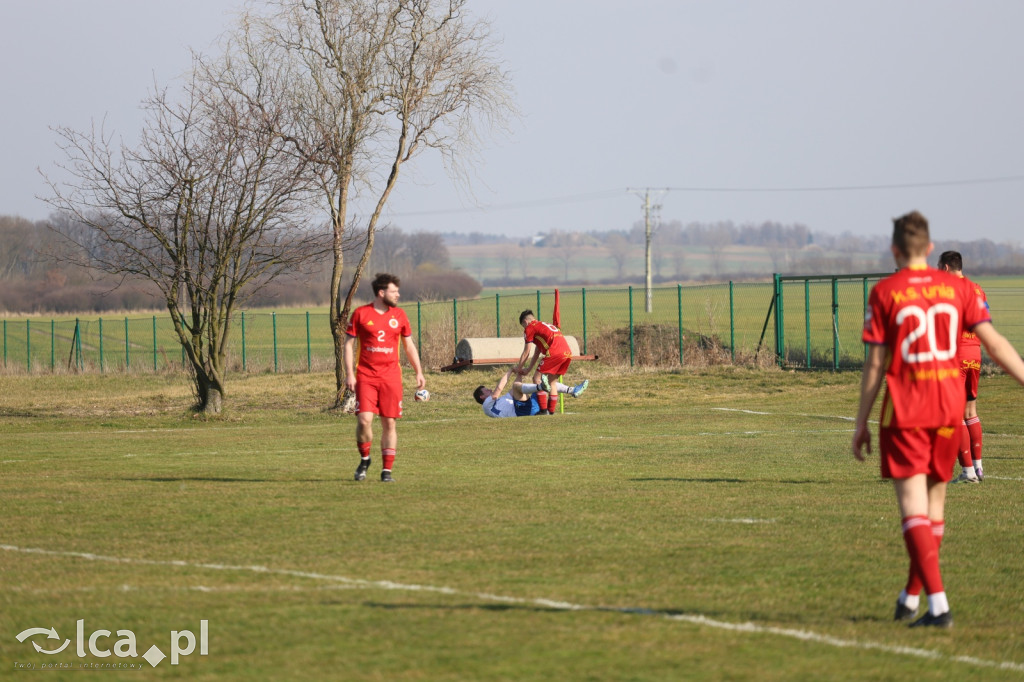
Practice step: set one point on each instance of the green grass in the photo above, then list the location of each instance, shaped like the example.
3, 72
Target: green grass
645, 500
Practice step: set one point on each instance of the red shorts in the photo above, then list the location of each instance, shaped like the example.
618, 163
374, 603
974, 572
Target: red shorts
556, 364
379, 395
970, 369
907, 452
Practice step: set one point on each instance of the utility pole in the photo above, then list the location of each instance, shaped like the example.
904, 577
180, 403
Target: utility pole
645, 194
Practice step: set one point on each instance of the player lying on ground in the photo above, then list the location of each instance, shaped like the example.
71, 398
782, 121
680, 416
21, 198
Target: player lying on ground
522, 400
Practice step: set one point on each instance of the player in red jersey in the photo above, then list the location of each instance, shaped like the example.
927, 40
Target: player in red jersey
913, 325
544, 339
378, 326
969, 351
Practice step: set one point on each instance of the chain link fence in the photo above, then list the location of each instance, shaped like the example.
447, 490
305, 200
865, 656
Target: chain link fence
811, 322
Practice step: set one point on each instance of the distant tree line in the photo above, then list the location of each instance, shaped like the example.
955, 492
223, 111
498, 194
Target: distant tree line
39, 275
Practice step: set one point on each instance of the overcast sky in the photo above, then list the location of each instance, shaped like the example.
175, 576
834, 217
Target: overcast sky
921, 100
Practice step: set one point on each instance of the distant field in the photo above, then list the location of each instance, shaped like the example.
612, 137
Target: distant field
678, 525
595, 263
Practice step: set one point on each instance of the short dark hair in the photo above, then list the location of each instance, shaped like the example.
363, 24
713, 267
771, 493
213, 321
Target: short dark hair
523, 315
381, 281
951, 259
478, 394
910, 234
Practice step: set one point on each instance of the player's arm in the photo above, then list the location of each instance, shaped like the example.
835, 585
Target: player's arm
1001, 350
348, 358
521, 365
870, 383
496, 393
414, 359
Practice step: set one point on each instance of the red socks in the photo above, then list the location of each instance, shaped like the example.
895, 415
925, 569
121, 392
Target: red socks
974, 432
923, 539
552, 403
388, 455
965, 447
364, 448
542, 401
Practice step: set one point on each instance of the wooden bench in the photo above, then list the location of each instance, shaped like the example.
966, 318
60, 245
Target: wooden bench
481, 352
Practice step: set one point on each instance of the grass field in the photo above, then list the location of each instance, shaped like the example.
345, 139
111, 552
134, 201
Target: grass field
703, 525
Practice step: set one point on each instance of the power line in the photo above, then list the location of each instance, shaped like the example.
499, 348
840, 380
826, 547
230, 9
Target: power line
856, 188
613, 193
534, 203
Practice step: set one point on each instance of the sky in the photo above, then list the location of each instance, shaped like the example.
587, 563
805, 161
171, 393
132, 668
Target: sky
833, 114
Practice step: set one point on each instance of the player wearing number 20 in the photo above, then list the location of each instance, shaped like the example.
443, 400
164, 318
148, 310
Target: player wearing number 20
914, 322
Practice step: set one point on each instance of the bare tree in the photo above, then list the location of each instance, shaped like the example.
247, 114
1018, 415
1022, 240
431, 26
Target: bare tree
207, 206
372, 84
506, 256
523, 258
618, 250
391, 254
427, 247
565, 253
678, 259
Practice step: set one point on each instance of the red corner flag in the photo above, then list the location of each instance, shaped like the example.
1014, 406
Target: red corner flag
556, 316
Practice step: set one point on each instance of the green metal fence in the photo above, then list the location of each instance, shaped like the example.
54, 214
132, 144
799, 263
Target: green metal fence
809, 322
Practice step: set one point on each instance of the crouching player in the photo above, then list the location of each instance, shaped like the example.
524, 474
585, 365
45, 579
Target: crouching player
914, 322
522, 400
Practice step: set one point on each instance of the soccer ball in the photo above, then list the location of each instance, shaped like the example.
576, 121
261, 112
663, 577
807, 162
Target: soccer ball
422, 395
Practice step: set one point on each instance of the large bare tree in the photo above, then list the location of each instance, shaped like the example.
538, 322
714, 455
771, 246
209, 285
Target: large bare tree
208, 206
372, 84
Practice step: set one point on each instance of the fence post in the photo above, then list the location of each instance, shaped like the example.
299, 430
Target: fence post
835, 325
419, 328
807, 320
273, 321
455, 319
28, 345
78, 347
864, 313
780, 322
732, 325
584, 292
127, 353
5, 344
101, 345
631, 354
497, 315
243, 343
53, 350
154, 343
679, 306
309, 347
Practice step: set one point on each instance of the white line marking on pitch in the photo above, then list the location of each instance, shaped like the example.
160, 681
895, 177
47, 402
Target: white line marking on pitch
733, 409
699, 620
741, 520
795, 414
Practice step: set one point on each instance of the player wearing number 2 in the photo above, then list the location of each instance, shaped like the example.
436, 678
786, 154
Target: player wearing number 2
379, 326
913, 325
